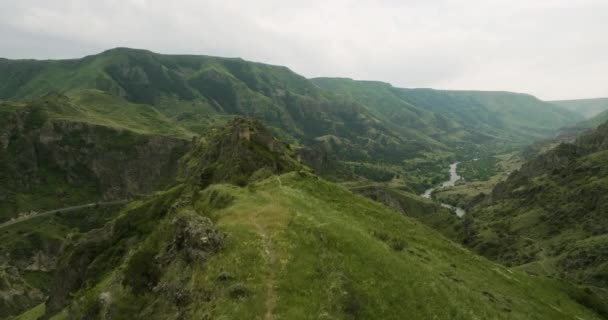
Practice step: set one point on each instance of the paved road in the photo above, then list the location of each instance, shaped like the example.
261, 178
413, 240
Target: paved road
67, 209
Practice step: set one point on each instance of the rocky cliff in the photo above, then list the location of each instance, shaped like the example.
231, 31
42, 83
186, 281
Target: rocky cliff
49, 163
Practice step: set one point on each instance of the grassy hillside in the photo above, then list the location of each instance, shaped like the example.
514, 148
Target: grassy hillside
456, 116
338, 136
504, 116
286, 244
550, 216
346, 130
380, 99
589, 108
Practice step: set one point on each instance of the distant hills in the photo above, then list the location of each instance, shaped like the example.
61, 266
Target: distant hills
457, 116
346, 130
243, 178
589, 108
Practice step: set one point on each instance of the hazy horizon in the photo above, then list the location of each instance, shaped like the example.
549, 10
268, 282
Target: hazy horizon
553, 49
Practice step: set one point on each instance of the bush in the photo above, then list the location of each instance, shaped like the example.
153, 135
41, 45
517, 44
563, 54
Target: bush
142, 272
238, 291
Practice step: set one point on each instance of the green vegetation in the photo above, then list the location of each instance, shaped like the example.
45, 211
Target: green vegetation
298, 247
548, 217
467, 193
244, 229
32, 314
31, 248
499, 119
478, 169
286, 244
56, 152
344, 129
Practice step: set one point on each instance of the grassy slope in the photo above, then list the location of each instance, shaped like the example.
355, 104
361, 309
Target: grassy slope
509, 117
357, 129
456, 116
200, 91
549, 218
97, 107
301, 248
379, 98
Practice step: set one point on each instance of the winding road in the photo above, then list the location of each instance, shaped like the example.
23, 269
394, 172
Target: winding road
66, 209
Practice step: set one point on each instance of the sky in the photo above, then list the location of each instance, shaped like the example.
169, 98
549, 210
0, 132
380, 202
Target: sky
554, 49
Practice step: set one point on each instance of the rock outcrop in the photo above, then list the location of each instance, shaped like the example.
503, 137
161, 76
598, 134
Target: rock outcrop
42, 155
241, 151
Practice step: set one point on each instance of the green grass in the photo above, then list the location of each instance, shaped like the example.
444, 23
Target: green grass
478, 169
297, 247
32, 314
97, 107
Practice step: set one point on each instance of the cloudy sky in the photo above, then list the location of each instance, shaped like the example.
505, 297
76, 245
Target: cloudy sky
555, 49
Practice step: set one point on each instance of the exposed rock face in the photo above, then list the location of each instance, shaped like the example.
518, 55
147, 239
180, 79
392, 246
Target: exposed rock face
113, 163
15, 293
76, 267
195, 237
181, 236
411, 205
236, 153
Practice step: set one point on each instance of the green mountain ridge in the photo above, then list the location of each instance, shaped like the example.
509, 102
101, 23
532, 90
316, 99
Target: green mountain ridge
365, 133
502, 117
241, 217
288, 245
199, 91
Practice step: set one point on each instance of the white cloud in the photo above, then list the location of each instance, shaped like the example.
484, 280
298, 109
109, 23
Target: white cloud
551, 48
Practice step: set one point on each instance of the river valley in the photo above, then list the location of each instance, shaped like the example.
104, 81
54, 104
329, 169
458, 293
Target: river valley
454, 177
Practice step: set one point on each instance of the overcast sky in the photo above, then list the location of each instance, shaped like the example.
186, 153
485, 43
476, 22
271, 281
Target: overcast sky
555, 49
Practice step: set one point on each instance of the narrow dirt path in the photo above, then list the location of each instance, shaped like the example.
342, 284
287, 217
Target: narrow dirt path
271, 259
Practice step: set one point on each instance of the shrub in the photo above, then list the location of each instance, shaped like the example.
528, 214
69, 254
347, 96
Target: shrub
142, 272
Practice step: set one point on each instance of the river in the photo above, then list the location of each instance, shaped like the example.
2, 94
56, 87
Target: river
449, 183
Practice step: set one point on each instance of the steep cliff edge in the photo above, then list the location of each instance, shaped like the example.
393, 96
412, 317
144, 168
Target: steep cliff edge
48, 163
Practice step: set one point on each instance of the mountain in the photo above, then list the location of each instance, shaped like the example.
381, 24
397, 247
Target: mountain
131, 187
284, 244
586, 107
458, 117
594, 121
549, 217
338, 136
346, 130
